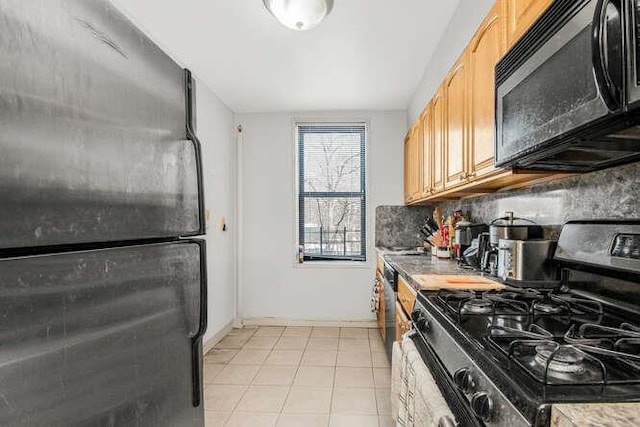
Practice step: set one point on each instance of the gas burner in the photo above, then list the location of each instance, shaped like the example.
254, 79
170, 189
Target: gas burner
477, 306
564, 359
527, 293
548, 307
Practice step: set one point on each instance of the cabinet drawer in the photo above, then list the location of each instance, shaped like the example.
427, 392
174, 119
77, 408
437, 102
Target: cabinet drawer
406, 295
380, 264
402, 322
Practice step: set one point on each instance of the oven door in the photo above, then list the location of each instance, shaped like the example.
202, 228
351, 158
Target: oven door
457, 402
562, 77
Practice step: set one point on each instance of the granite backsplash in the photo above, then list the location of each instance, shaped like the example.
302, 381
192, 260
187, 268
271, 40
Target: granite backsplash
399, 225
610, 193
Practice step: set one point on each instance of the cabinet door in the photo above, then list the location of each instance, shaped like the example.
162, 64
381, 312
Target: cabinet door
521, 15
487, 47
406, 295
455, 118
402, 322
412, 164
416, 164
437, 140
407, 168
379, 264
426, 168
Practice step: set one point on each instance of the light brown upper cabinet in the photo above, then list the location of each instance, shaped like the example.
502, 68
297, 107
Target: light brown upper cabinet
407, 167
413, 164
521, 14
437, 140
456, 106
427, 157
487, 47
449, 152
416, 166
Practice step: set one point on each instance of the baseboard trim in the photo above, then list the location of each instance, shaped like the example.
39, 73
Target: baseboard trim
274, 321
208, 344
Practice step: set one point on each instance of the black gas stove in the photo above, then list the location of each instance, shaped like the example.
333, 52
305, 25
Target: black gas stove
513, 353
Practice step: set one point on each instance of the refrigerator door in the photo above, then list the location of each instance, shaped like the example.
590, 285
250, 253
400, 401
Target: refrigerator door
103, 338
95, 143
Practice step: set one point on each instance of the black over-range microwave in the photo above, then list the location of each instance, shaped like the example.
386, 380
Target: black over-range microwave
568, 92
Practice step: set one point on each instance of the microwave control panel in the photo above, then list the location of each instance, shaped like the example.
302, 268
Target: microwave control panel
626, 246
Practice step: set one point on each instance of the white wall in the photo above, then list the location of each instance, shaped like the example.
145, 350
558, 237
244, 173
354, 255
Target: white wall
464, 23
272, 285
216, 134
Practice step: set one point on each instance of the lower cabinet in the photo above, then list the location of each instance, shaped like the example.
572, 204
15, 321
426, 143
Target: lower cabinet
404, 306
403, 324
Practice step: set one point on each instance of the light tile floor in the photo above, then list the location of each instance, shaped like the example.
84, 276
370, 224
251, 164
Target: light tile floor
297, 376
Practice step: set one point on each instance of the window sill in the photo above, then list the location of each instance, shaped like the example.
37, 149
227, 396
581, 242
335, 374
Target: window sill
333, 264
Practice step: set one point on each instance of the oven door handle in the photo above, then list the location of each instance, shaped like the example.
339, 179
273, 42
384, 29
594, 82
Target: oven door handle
607, 56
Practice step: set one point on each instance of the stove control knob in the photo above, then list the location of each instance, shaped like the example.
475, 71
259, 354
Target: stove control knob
422, 324
416, 314
464, 380
482, 406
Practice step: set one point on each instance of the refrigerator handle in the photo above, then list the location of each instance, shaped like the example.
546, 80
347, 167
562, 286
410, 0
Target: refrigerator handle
196, 340
191, 136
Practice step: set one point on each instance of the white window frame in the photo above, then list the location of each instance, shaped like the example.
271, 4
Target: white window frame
328, 121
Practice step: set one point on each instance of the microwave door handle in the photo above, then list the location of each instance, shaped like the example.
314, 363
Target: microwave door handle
604, 54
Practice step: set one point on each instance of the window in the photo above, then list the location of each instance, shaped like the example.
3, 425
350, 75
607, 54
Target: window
331, 191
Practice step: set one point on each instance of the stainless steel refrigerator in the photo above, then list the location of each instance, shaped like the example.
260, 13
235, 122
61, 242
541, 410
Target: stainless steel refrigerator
102, 285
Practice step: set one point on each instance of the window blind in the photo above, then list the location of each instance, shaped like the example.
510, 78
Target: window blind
332, 191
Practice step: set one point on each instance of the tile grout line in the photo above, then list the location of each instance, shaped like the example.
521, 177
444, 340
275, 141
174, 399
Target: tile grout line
233, 411
299, 365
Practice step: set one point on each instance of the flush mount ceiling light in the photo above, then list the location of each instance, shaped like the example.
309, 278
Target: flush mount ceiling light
299, 14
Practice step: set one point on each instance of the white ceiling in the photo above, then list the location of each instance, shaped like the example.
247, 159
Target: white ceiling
367, 55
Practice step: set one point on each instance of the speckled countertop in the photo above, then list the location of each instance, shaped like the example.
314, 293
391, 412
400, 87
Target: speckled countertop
595, 415
410, 265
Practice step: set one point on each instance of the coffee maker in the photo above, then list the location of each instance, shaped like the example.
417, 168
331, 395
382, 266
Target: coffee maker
465, 234
505, 228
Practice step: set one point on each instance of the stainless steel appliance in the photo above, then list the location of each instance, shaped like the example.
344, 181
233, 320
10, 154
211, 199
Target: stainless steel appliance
390, 298
527, 262
508, 227
103, 301
507, 357
568, 92
465, 232
513, 228
484, 251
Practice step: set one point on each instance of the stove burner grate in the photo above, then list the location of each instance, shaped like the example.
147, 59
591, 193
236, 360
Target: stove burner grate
548, 307
589, 354
477, 306
562, 359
